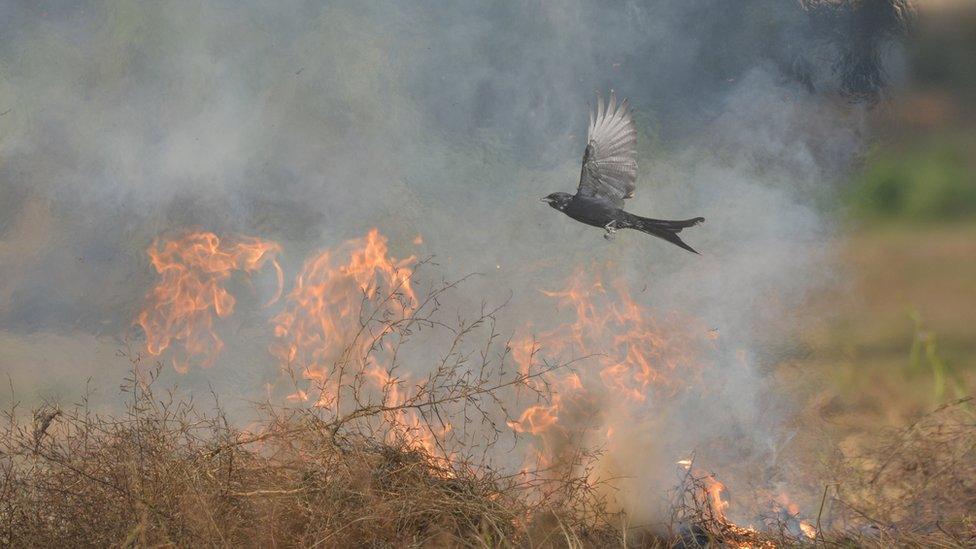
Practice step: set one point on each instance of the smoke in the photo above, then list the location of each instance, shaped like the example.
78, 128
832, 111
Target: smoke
309, 123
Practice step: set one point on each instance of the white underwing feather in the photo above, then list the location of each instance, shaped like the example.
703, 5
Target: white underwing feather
610, 169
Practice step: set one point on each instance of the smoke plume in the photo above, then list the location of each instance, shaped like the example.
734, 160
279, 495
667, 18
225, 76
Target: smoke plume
309, 123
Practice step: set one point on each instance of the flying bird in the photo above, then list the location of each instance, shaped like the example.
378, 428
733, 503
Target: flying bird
608, 178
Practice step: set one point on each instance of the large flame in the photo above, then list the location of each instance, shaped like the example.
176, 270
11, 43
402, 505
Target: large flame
625, 361
193, 270
322, 328
624, 358
628, 363
344, 304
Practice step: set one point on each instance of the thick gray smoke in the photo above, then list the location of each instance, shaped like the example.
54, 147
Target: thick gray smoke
308, 123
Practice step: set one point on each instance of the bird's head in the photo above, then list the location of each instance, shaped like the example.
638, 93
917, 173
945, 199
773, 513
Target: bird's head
557, 200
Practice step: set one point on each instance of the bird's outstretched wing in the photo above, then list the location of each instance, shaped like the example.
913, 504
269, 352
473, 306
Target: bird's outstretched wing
610, 160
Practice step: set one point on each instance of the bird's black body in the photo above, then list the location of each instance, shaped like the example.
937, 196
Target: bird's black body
598, 212
608, 178
593, 211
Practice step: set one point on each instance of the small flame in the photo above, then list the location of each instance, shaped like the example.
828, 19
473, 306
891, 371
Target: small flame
535, 419
790, 512
190, 291
715, 490
710, 497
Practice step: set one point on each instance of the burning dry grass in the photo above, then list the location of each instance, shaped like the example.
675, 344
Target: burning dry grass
360, 453
164, 474
363, 451
914, 488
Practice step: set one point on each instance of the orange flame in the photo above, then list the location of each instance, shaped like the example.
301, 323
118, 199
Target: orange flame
320, 327
791, 511
631, 357
712, 490
713, 497
715, 490
190, 290
325, 330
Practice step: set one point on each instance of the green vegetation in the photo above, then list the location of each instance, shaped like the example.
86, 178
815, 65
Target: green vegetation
932, 180
925, 355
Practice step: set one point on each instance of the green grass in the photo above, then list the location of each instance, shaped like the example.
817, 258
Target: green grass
925, 357
896, 339
927, 180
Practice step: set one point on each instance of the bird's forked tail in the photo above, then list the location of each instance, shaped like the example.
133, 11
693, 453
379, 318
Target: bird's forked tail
663, 228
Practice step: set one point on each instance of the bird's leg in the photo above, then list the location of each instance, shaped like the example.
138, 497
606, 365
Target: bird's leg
611, 229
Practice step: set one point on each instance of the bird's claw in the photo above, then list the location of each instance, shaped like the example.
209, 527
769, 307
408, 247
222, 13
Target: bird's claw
611, 229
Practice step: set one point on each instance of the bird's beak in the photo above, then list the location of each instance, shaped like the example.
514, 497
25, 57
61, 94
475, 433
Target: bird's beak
546, 199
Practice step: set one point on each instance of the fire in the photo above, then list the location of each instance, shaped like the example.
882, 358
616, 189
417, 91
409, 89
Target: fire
709, 494
405, 425
712, 491
535, 419
715, 490
192, 271
334, 326
343, 305
789, 513
635, 352
708, 497
627, 359
320, 328
630, 362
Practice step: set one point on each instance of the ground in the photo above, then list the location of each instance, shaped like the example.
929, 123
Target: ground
907, 283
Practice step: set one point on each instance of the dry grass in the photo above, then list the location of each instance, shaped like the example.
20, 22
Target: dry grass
915, 485
351, 474
354, 465
164, 474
